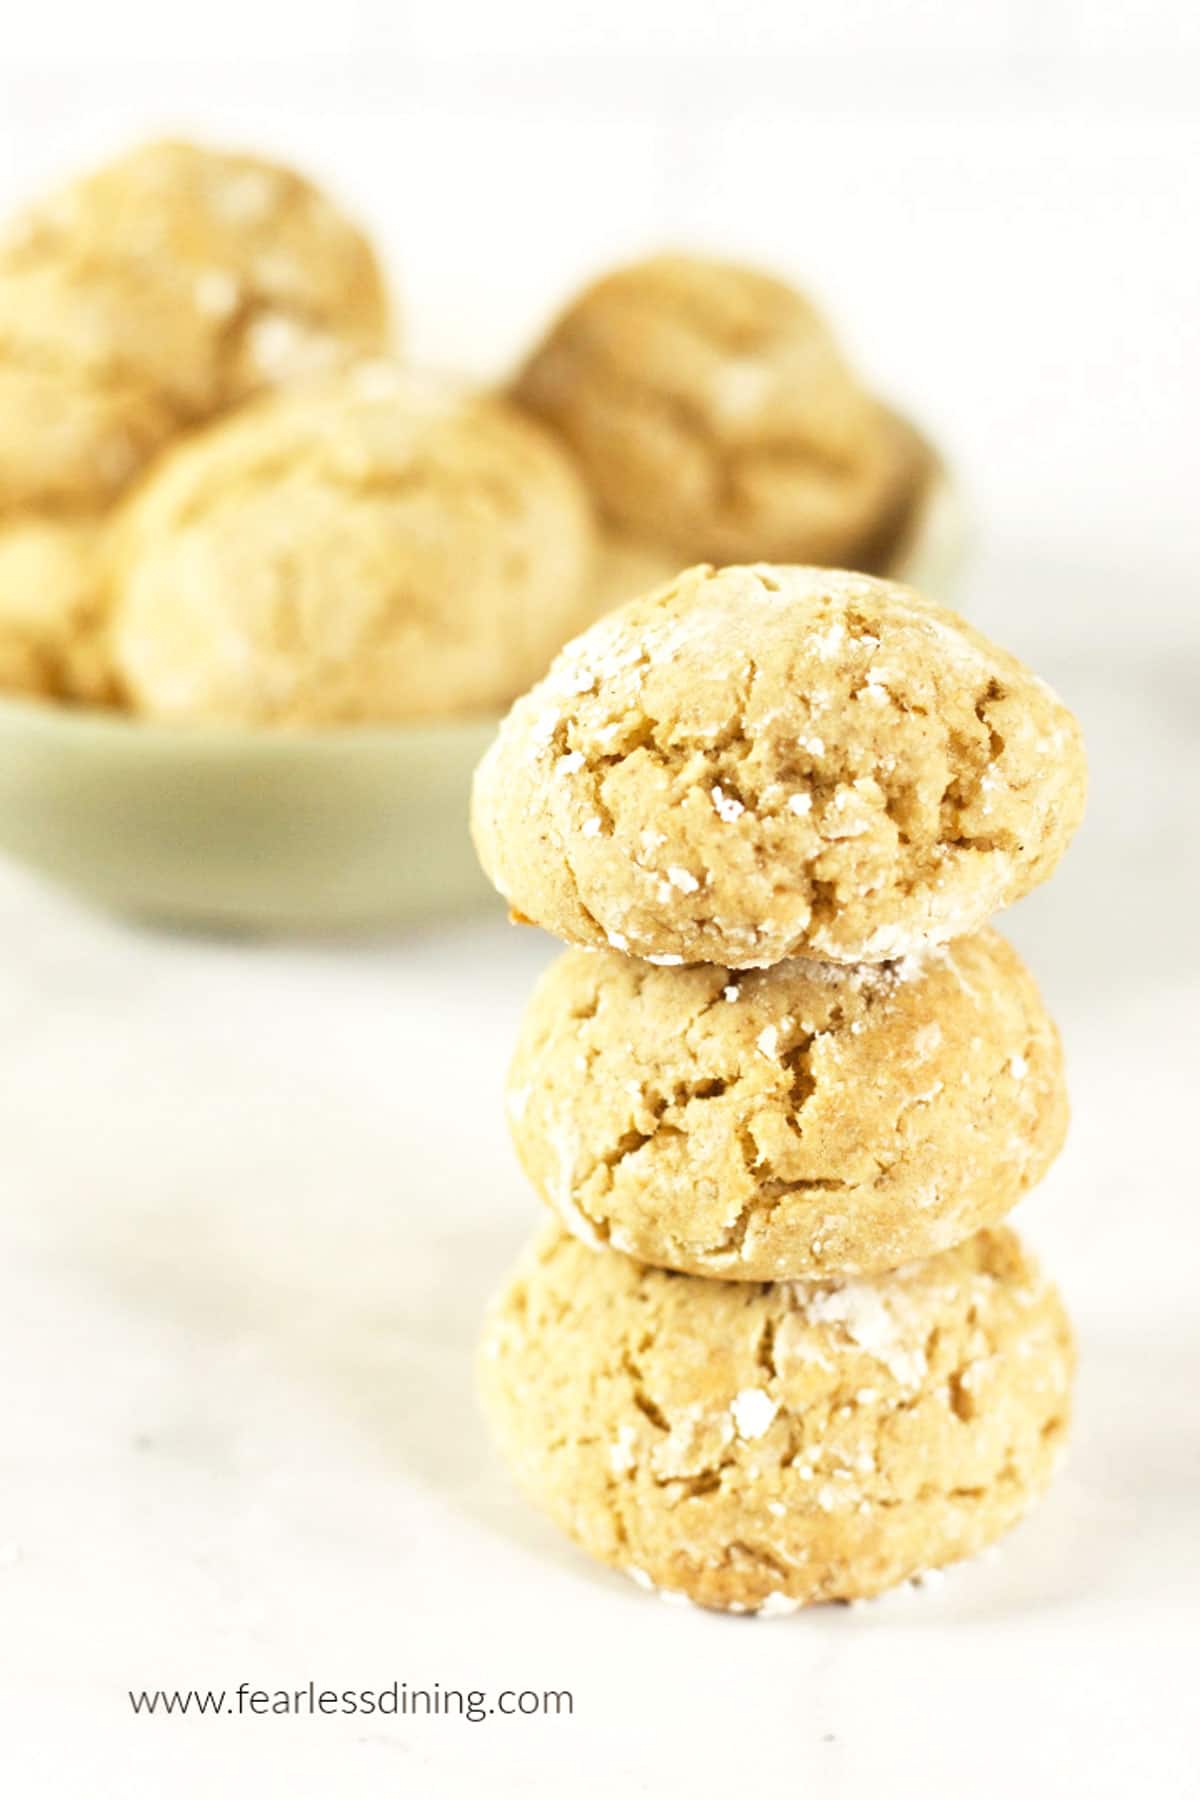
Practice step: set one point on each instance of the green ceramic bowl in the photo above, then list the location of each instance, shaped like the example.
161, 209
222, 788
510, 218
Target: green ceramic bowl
252, 830
281, 831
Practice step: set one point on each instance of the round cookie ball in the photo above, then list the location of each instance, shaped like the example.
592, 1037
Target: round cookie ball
760, 1447
799, 1121
713, 412
369, 548
757, 763
265, 277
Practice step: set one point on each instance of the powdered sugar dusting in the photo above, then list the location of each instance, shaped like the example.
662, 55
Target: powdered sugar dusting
868, 1320
621, 1452
727, 807
217, 293
778, 1606
753, 1410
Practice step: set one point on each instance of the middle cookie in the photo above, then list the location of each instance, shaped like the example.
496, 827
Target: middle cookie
791, 1122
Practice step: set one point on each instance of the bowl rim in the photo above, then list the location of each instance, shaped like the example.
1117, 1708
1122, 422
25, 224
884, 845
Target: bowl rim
56, 718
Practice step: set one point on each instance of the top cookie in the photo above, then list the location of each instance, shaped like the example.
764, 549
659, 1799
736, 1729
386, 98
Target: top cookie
758, 763
714, 414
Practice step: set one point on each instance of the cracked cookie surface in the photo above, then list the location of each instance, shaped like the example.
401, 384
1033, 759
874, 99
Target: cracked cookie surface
756, 1447
371, 547
799, 1121
713, 413
756, 763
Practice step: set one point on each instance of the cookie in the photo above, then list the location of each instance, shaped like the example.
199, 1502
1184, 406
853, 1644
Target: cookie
799, 1121
757, 1447
51, 609
713, 413
370, 547
756, 763
263, 278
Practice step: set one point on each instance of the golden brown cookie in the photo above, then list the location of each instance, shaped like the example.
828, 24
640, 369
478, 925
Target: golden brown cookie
256, 274
759, 1447
714, 414
757, 763
371, 547
800, 1121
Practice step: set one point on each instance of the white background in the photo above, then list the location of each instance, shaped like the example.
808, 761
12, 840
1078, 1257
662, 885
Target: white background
252, 1196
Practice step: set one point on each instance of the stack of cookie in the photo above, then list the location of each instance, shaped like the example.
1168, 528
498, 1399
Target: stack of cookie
776, 1347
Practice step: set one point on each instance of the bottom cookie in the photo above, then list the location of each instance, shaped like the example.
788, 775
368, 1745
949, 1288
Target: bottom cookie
760, 1446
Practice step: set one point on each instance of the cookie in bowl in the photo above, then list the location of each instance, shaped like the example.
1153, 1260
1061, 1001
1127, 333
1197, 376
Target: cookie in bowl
378, 547
266, 278
717, 420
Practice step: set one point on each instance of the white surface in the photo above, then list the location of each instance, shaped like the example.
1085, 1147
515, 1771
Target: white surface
253, 1196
